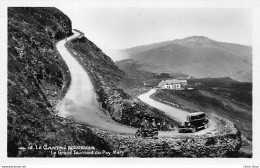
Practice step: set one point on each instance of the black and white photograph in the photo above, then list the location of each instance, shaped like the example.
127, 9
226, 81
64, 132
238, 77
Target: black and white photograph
121, 80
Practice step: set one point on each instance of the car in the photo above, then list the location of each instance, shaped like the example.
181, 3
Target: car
194, 121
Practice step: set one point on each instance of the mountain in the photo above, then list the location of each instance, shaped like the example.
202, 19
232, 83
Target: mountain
197, 56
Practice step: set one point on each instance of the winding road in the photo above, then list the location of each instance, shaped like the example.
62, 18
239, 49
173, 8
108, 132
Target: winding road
80, 102
174, 113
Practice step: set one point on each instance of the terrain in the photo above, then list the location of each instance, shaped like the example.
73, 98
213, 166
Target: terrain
37, 78
79, 107
221, 96
112, 91
133, 69
197, 56
114, 88
218, 142
86, 110
57, 101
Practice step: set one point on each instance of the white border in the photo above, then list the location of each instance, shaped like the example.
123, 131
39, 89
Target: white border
130, 162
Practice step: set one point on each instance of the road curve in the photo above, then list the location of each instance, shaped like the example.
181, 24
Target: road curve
80, 102
174, 113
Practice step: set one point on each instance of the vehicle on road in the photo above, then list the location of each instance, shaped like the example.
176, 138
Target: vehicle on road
147, 133
194, 122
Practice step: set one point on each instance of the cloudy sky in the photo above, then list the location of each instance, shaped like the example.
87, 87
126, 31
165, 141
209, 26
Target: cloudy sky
124, 27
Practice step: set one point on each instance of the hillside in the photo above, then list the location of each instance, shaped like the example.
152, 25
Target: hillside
114, 88
221, 96
37, 78
133, 69
112, 84
197, 56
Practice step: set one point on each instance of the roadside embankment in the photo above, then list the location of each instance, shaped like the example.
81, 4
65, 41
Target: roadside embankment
225, 141
111, 86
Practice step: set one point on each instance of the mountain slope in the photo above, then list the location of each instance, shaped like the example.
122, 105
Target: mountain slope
222, 96
197, 56
37, 78
114, 87
131, 67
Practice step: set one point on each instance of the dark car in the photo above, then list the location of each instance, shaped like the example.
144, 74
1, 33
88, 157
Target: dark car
194, 122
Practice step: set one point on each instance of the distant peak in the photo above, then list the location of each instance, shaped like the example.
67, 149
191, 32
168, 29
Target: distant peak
197, 38
195, 41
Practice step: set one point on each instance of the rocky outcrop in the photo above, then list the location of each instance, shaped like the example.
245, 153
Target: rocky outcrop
225, 141
32, 34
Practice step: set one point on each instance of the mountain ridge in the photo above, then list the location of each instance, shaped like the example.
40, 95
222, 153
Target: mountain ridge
174, 40
197, 56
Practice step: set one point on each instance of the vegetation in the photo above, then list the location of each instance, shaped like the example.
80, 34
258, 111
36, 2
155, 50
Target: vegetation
114, 86
37, 78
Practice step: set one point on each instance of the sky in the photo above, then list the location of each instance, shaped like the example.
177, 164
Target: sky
125, 27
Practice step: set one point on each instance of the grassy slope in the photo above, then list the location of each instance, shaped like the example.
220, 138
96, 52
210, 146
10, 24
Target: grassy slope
37, 78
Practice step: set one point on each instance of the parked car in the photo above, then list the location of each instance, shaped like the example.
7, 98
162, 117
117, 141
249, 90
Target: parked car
194, 122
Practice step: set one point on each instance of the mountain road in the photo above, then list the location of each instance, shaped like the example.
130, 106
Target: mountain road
80, 102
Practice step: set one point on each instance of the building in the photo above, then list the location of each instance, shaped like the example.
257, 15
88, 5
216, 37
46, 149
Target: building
173, 84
